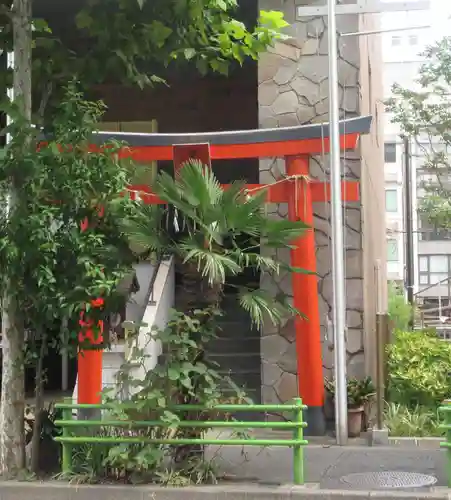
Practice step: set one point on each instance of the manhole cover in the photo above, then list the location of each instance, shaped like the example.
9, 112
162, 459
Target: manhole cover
388, 479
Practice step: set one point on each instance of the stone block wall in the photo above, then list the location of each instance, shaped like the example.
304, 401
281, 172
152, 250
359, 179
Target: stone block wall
293, 90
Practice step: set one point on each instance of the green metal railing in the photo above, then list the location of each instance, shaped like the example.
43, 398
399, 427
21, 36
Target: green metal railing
446, 411
69, 439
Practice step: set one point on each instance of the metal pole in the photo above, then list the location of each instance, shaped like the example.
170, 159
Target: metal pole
338, 277
410, 273
380, 348
389, 30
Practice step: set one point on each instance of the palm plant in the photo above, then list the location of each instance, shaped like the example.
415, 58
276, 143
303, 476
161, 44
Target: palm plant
204, 227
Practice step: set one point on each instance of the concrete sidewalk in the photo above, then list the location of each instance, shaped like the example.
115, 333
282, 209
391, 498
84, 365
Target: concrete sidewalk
325, 465
64, 491
266, 475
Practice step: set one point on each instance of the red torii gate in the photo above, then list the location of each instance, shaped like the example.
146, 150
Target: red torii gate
296, 145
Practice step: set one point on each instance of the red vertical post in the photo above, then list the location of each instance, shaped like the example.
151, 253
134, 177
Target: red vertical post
89, 360
89, 371
305, 297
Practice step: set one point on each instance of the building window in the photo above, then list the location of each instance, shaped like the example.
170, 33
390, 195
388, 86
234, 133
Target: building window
434, 269
392, 251
396, 41
413, 39
391, 200
390, 152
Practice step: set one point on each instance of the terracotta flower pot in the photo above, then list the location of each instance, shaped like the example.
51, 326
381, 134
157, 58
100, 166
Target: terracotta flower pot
355, 418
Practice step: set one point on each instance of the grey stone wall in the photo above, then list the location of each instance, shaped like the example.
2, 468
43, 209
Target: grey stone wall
293, 89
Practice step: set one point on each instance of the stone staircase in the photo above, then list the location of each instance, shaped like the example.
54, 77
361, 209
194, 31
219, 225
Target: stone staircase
237, 349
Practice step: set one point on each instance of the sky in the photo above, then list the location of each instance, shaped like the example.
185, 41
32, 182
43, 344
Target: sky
440, 21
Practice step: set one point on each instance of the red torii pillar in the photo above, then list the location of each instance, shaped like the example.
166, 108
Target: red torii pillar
296, 145
90, 360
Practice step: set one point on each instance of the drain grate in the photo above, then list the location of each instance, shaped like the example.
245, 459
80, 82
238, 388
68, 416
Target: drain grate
388, 480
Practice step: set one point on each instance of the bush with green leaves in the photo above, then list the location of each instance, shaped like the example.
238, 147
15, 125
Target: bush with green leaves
359, 391
416, 421
400, 312
183, 375
419, 368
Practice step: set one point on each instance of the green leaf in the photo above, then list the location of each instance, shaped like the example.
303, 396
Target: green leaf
260, 304
189, 53
159, 33
83, 19
186, 382
273, 19
173, 374
221, 4
41, 25
213, 266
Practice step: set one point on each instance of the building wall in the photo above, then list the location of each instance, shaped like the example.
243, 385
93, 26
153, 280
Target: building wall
372, 187
293, 89
192, 105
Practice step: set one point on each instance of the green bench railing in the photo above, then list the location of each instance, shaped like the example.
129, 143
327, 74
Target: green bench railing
445, 409
71, 429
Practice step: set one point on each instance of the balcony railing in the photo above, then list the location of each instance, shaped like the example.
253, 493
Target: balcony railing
434, 234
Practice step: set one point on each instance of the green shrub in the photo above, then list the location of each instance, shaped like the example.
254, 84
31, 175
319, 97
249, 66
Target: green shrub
400, 311
418, 421
419, 368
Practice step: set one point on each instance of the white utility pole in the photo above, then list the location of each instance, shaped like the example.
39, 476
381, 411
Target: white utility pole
338, 272
338, 276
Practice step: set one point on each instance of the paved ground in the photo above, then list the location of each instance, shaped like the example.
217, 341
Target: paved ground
325, 465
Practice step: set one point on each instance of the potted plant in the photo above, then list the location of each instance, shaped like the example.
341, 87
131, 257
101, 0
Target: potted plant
359, 393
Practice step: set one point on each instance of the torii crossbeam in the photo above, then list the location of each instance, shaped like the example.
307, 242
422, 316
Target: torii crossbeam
296, 145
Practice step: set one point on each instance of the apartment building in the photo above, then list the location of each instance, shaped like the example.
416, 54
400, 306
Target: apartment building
432, 247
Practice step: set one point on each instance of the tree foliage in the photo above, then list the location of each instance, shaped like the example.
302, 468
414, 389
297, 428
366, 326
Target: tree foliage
154, 34
52, 266
56, 266
424, 114
136, 42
